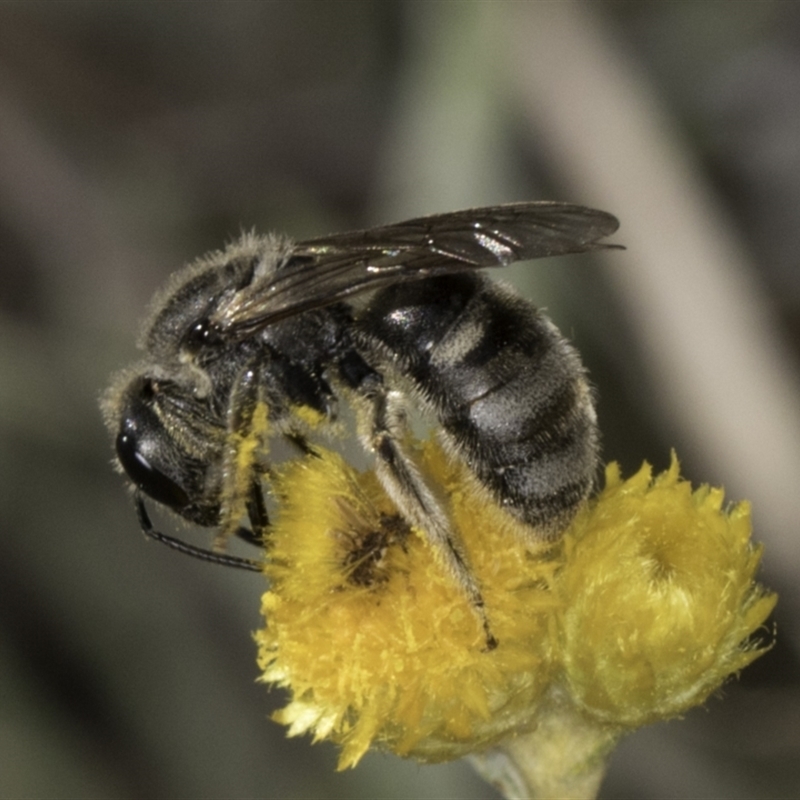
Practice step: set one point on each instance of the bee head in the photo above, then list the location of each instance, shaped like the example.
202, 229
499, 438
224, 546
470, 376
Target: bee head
161, 440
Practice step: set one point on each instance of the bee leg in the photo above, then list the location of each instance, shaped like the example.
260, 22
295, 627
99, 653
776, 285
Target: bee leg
301, 443
189, 549
416, 502
256, 508
241, 473
257, 513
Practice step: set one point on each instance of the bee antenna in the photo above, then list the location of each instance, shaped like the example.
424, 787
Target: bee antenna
189, 549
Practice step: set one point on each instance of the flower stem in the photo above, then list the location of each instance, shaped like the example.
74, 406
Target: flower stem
564, 757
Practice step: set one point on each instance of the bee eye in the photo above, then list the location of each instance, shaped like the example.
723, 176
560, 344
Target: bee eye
150, 480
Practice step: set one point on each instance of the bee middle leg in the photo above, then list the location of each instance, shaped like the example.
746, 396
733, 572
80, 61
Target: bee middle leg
416, 502
257, 514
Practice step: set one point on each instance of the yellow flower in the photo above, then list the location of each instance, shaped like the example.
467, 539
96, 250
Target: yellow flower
375, 640
660, 597
642, 611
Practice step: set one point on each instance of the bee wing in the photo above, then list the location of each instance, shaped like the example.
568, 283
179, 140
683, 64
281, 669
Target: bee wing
326, 270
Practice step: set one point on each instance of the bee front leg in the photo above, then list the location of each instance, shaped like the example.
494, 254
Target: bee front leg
246, 443
386, 428
189, 549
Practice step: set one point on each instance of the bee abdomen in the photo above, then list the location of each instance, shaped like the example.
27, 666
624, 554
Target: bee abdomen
519, 410
509, 390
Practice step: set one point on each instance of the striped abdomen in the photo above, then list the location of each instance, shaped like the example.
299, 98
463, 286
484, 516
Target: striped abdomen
509, 390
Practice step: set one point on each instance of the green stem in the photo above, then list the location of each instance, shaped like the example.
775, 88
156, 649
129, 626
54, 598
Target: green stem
564, 757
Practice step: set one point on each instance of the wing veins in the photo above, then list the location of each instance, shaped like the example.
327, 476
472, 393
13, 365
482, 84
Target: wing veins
324, 271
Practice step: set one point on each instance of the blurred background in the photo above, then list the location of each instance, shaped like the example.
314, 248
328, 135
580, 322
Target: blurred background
136, 136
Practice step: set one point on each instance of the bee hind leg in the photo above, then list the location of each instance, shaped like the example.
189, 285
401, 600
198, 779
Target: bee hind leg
414, 499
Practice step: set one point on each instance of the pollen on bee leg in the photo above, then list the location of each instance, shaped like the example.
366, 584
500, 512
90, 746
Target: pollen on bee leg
244, 451
310, 417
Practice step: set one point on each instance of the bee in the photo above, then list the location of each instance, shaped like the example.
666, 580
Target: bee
262, 339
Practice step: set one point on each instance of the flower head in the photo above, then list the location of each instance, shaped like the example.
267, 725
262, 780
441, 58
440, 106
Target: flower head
661, 598
376, 641
644, 609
